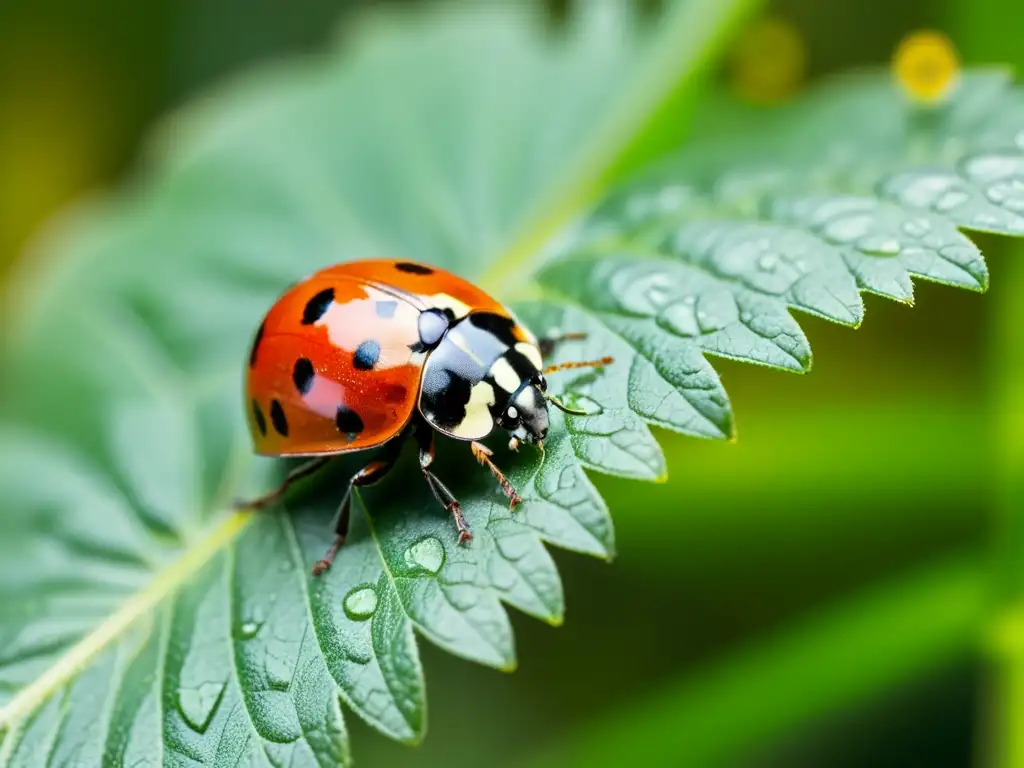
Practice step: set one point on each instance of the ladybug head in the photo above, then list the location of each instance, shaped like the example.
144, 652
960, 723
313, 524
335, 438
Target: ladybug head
526, 413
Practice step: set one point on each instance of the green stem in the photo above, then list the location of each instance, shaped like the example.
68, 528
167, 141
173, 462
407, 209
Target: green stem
990, 31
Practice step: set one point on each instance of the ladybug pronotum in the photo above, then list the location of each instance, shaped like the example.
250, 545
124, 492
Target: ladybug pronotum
369, 353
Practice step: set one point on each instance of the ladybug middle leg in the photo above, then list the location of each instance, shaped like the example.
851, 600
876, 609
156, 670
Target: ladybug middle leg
368, 475
425, 438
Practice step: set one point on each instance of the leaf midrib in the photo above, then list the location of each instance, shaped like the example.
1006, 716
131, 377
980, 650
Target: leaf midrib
140, 604
669, 67
706, 21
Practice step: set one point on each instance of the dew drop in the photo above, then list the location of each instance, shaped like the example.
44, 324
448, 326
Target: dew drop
985, 220
768, 263
917, 227
950, 200
680, 319
746, 317
996, 193
427, 554
879, 245
198, 705
249, 629
1009, 193
847, 229
360, 603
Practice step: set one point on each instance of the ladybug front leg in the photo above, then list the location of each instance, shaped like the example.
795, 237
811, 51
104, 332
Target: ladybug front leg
425, 438
483, 454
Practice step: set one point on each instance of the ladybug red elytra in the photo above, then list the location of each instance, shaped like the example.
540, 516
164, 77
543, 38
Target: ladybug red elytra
368, 353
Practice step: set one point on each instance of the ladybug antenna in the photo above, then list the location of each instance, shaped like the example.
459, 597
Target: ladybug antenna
581, 364
562, 406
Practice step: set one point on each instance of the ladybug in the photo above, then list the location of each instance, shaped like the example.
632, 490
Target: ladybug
367, 354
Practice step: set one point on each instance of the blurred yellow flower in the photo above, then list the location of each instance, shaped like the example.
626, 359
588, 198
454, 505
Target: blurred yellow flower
927, 65
769, 61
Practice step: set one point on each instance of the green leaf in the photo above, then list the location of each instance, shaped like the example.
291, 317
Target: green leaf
140, 615
140, 622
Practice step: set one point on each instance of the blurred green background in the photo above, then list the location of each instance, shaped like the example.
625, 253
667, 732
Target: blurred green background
841, 581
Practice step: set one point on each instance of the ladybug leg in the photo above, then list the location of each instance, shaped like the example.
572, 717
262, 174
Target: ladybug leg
300, 472
483, 454
425, 437
368, 475
547, 345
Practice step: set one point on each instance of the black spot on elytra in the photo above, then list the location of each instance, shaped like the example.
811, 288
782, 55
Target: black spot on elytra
348, 422
257, 416
366, 356
277, 418
302, 375
386, 309
317, 305
413, 269
256, 343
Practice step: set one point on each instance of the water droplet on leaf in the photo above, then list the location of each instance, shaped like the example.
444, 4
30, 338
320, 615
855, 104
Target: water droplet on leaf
950, 200
917, 227
847, 229
360, 603
427, 554
879, 245
768, 262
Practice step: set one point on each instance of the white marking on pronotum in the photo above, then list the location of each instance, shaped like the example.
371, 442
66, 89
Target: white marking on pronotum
505, 375
456, 337
444, 301
478, 422
531, 353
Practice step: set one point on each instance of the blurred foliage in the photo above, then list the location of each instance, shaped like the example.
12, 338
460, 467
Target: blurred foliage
794, 533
